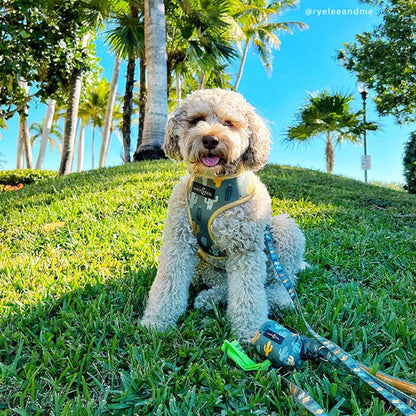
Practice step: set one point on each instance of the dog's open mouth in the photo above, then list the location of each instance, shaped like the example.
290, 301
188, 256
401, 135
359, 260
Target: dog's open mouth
210, 160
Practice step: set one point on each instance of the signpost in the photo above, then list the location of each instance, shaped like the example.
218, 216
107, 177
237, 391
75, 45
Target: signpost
365, 160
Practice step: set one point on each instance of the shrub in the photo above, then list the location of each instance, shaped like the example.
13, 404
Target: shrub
24, 176
409, 163
7, 188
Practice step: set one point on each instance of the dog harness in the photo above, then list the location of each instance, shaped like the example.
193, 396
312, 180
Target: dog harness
207, 198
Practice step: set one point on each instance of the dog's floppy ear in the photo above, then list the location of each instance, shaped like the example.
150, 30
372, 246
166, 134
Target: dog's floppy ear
257, 153
173, 132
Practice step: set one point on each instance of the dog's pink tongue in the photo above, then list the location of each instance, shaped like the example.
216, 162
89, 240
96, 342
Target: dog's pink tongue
210, 160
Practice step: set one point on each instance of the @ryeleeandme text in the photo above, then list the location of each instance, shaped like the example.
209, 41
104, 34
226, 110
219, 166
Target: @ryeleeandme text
333, 11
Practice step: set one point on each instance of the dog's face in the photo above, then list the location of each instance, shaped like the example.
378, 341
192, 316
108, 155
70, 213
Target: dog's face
217, 133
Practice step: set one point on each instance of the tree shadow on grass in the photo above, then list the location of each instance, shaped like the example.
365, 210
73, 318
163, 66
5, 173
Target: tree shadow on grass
71, 349
86, 352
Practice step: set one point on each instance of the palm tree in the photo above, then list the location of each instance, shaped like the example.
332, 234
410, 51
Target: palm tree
24, 145
20, 150
127, 40
330, 115
198, 46
70, 128
81, 144
198, 38
156, 104
46, 130
188, 79
54, 138
255, 27
105, 142
93, 107
116, 125
93, 13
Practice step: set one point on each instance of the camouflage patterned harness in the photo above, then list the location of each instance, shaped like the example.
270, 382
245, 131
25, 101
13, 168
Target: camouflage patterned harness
207, 198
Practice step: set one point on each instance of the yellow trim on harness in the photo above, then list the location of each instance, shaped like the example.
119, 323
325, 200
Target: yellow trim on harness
224, 208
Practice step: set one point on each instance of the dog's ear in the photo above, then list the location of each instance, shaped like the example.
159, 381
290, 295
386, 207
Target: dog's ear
257, 153
173, 132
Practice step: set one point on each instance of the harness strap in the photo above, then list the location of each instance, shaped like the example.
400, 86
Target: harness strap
402, 403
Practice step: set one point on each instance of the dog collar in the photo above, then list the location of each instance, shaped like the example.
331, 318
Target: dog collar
207, 198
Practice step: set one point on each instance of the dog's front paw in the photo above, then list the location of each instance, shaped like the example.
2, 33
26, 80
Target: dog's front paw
304, 265
203, 301
157, 325
245, 337
246, 330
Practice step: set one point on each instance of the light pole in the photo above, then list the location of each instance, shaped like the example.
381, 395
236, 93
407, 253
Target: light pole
365, 160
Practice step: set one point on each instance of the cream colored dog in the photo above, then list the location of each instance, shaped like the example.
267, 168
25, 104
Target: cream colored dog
214, 230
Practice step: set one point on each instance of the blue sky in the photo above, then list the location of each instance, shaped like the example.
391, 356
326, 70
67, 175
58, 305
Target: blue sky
305, 63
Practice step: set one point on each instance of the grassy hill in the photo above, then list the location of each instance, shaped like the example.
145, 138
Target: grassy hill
79, 253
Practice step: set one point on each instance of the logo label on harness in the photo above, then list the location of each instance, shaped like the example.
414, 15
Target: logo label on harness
273, 336
202, 190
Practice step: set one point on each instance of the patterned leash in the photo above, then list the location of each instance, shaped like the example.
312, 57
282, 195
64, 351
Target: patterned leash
336, 354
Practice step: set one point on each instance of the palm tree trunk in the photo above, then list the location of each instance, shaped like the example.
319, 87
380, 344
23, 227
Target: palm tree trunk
127, 108
47, 124
70, 129
27, 145
20, 150
110, 137
157, 102
329, 152
178, 88
242, 64
142, 105
105, 145
80, 153
25, 134
93, 146
201, 81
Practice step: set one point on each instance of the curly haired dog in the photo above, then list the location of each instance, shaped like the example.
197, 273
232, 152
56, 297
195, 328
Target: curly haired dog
214, 230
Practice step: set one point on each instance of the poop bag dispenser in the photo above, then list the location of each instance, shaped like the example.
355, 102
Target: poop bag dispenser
281, 345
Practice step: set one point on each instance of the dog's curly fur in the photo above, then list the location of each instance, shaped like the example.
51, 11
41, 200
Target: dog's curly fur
245, 280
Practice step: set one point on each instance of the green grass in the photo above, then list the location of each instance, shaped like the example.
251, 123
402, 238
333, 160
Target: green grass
71, 297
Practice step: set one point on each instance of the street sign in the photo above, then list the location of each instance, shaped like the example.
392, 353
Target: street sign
366, 162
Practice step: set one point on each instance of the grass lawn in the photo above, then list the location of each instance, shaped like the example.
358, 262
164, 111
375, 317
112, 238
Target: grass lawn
79, 253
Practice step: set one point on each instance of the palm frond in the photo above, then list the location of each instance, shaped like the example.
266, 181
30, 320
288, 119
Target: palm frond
126, 37
325, 112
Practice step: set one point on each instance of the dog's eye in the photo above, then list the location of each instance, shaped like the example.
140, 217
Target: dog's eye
228, 123
195, 120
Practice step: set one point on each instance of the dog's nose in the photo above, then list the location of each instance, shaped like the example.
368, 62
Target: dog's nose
210, 142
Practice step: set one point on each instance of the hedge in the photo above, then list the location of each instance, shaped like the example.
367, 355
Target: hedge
24, 176
409, 163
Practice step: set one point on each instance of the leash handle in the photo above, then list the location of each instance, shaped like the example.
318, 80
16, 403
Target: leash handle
403, 386
336, 351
